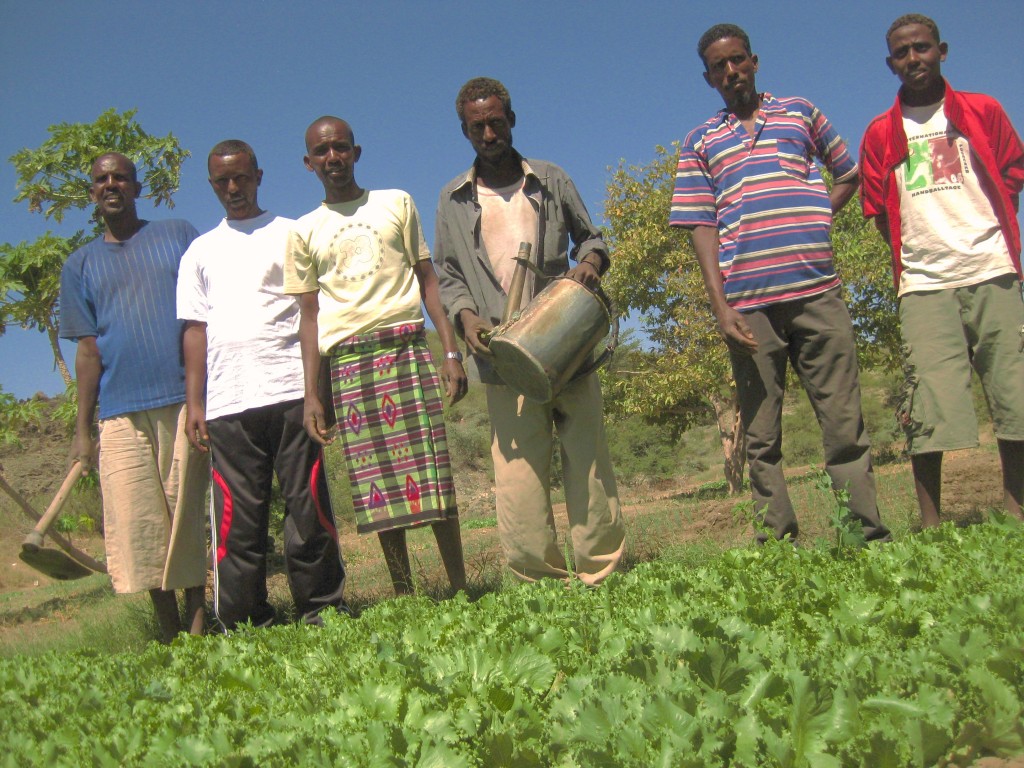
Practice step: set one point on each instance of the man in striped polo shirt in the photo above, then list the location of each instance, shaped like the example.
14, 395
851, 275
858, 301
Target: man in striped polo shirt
759, 214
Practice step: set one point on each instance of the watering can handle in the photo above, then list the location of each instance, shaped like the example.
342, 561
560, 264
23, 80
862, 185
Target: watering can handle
613, 341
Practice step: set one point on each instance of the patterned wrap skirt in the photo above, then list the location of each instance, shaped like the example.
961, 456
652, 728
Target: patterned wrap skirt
388, 404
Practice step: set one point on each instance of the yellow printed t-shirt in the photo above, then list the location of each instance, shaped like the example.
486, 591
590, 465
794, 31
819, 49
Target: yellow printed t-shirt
360, 256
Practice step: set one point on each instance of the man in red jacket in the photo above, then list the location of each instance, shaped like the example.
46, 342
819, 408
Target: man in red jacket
941, 173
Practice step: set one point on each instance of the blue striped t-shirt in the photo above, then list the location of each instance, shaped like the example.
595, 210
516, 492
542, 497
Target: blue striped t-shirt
767, 199
124, 295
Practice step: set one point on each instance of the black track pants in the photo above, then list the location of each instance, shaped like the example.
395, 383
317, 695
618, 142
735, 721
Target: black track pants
246, 449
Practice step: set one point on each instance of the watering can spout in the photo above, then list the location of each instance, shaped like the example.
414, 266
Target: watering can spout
515, 290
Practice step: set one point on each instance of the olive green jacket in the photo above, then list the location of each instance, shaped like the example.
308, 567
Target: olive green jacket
466, 278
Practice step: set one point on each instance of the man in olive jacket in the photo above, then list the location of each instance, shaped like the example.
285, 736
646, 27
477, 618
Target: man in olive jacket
482, 217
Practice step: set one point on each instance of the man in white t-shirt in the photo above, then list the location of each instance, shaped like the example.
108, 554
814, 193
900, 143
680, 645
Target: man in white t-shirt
241, 343
941, 173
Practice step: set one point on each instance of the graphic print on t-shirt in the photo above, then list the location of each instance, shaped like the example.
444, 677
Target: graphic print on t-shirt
933, 163
357, 251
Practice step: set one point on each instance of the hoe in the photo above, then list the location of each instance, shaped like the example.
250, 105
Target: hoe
65, 563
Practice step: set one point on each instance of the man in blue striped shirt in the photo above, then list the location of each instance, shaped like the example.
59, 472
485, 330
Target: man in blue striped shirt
117, 301
760, 215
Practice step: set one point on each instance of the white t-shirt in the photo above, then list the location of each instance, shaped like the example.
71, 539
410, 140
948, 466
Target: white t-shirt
951, 236
360, 256
507, 218
232, 279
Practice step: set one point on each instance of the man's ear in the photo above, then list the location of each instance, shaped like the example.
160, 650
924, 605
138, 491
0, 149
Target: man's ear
511, 119
259, 176
138, 190
753, 59
707, 79
305, 162
357, 152
943, 51
888, 63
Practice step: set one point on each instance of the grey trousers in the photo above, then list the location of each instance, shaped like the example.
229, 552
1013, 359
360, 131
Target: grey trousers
816, 336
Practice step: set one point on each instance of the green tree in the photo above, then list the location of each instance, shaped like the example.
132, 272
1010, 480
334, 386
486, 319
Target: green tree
864, 265
15, 415
54, 178
687, 372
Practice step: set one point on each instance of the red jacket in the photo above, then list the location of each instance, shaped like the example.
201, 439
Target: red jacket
996, 148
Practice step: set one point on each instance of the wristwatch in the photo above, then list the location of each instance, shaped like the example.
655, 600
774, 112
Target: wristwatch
453, 356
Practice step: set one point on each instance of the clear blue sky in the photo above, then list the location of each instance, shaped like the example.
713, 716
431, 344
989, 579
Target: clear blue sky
591, 82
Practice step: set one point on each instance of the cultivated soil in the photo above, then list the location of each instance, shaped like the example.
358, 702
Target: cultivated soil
36, 468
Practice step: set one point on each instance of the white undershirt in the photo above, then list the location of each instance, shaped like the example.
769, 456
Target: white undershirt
507, 218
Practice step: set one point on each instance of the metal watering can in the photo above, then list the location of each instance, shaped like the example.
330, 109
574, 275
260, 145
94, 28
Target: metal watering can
539, 350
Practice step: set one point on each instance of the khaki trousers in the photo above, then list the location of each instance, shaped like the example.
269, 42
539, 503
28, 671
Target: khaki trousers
154, 490
521, 446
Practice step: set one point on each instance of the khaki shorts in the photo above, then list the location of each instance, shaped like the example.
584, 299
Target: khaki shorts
154, 488
945, 334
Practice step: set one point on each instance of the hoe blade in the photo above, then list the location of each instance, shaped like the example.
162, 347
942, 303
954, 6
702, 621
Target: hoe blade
54, 563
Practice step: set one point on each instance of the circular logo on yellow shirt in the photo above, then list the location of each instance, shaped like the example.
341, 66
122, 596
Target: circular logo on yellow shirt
357, 251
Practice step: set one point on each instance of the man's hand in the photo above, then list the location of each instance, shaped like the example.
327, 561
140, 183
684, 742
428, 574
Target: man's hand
195, 428
456, 383
473, 325
586, 272
731, 325
83, 450
315, 422
736, 332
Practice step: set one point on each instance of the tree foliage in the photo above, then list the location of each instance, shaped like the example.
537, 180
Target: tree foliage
30, 285
865, 267
15, 415
686, 375
54, 178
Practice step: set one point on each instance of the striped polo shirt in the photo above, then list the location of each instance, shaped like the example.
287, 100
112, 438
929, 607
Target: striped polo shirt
124, 294
767, 198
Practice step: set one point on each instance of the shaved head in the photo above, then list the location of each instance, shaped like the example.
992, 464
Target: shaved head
332, 154
121, 159
314, 130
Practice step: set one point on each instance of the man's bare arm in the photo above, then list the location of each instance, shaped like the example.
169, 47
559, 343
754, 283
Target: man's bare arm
88, 368
453, 375
193, 344
731, 325
313, 417
842, 193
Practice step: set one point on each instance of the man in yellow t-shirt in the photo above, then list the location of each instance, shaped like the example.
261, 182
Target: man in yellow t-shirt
361, 269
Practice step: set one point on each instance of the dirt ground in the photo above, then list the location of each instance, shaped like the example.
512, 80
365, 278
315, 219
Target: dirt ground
37, 467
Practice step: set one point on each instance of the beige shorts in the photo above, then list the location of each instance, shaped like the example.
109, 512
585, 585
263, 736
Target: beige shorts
154, 488
945, 334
